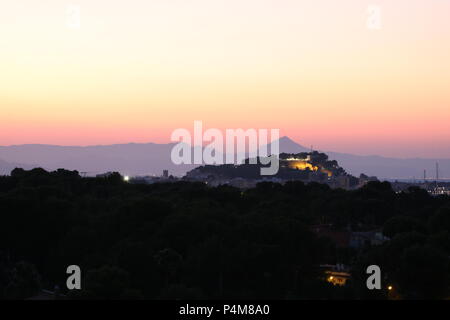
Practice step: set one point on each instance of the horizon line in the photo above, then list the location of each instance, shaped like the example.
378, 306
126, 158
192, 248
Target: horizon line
169, 143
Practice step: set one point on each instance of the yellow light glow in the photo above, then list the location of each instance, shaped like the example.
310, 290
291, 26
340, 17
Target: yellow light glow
302, 165
389, 288
328, 172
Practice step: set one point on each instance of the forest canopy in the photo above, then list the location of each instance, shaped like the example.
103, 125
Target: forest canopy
189, 240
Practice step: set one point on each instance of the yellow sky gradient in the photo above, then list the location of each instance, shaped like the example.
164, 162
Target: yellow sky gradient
137, 70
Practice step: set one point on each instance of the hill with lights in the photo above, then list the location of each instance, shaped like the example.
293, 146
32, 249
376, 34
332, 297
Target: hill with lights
305, 166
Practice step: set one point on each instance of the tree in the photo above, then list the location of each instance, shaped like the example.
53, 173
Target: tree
440, 221
20, 280
107, 282
423, 273
402, 224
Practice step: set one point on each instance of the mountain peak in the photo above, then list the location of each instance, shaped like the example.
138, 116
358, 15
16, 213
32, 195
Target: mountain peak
288, 145
286, 139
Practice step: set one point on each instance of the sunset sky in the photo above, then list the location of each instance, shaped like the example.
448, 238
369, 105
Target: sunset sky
136, 70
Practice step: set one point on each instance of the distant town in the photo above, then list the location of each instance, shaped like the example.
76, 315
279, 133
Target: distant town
307, 167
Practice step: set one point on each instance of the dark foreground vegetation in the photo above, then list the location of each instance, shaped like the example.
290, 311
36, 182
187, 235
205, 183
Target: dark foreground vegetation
187, 240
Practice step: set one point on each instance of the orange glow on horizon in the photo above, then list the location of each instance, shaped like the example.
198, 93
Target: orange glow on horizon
135, 71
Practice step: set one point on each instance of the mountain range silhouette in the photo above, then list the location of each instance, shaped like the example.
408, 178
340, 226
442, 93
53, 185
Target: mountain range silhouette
152, 159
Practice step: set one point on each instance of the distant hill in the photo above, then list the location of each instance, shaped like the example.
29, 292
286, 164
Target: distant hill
289, 146
152, 159
305, 166
382, 167
128, 159
6, 167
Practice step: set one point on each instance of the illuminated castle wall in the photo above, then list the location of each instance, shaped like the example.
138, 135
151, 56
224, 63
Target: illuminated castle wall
303, 164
